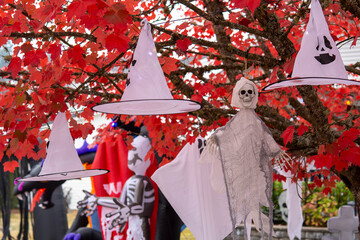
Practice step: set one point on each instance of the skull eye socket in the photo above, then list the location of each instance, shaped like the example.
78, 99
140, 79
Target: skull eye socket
250, 91
243, 92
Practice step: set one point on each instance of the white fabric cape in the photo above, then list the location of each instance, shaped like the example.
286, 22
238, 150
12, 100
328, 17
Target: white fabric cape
293, 203
186, 184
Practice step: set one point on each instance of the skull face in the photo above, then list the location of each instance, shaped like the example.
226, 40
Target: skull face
246, 94
283, 207
324, 49
136, 156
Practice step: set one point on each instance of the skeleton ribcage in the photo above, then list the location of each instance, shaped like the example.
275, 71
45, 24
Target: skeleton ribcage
140, 195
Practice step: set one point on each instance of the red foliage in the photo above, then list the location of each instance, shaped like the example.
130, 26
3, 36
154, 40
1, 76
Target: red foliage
251, 4
10, 166
302, 129
288, 134
183, 44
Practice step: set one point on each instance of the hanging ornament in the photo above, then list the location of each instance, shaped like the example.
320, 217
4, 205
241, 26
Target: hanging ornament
62, 161
318, 61
146, 91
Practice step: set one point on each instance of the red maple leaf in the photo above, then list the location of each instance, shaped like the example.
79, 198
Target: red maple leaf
326, 190
10, 166
118, 14
341, 165
288, 134
302, 129
289, 65
33, 57
206, 88
76, 57
26, 47
114, 41
55, 51
33, 140
251, 4
78, 8
351, 155
273, 77
170, 64
14, 66
245, 22
183, 44
197, 98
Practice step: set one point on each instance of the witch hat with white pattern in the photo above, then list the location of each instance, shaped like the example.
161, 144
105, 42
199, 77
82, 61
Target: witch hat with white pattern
146, 91
62, 160
318, 61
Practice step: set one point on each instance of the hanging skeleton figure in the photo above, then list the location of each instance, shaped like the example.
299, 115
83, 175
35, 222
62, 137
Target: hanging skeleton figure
137, 198
245, 148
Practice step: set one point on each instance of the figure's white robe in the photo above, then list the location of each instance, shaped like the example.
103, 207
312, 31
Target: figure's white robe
186, 184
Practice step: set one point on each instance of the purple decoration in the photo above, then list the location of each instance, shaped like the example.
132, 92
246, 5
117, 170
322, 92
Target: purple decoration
69, 236
20, 187
77, 236
84, 149
16, 180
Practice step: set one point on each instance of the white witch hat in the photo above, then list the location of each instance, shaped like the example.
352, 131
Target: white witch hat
62, 161
146, 91
318, 61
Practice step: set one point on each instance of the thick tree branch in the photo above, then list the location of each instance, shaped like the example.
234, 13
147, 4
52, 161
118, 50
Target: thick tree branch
215, 19
47, 35
352, 6
317, 114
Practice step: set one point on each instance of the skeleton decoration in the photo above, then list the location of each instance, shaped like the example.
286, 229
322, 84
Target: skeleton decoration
246, 94
318, 61
146, 91
283, 206
62, 161
136, 202
244, 148
186, 184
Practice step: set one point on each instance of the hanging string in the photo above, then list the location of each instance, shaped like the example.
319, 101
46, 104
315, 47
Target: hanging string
246, 71
175, 20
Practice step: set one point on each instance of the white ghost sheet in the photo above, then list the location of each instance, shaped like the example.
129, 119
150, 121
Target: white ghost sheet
319, 61
62, 161
186, 184
293, 203
147, 92
246, 148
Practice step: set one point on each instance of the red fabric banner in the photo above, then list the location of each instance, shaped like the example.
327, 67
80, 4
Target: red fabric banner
111, 156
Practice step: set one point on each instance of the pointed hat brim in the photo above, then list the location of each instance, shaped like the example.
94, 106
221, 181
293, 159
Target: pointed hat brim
59, 176
310, 81
148, 107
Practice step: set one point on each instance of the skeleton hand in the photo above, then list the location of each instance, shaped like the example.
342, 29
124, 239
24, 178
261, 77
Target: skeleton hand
120, 215
211, 145
89, 203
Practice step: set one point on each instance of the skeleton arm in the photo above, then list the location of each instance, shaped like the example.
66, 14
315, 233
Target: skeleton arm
90, 203
134, 200
211, 144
